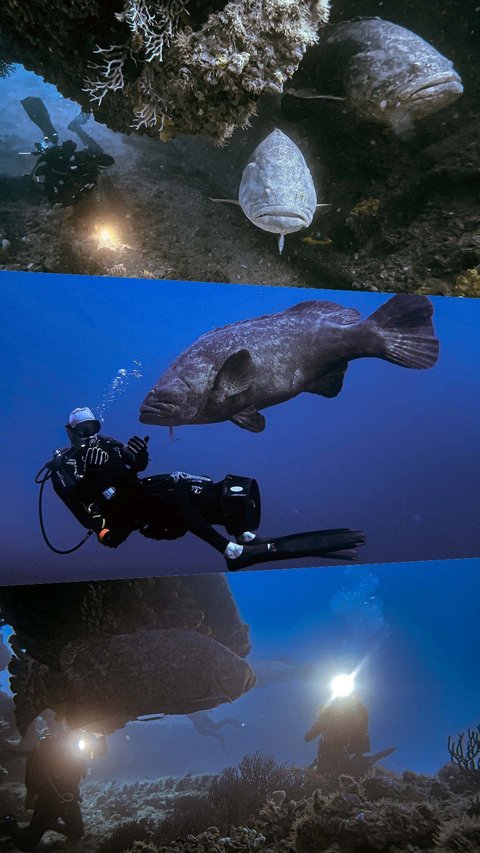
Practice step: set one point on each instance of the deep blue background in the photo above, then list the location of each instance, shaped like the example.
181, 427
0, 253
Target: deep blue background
395, 454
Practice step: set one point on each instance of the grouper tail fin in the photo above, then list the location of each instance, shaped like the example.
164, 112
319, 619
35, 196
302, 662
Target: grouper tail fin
404, 332
28, 680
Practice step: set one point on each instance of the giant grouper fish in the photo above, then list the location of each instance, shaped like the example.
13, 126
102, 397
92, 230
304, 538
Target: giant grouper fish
277, 192
232, 372
175, 671
383, 71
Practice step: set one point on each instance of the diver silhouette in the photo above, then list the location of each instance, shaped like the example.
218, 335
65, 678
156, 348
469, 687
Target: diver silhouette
207, 727
342, 725
53, 772
97, 479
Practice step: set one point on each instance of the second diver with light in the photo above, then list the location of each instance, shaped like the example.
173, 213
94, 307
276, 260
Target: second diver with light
97, 479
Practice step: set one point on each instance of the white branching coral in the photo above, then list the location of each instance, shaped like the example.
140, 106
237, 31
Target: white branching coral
175, 79
109, 74
150, 110
152, 24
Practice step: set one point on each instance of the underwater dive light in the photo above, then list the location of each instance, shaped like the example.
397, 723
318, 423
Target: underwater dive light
342, 685
109, 238
90, 746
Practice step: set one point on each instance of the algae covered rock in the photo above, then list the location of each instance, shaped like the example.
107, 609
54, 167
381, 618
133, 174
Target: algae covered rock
163, 66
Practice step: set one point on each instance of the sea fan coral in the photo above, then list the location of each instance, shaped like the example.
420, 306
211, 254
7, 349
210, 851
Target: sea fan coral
459, 836
5, 68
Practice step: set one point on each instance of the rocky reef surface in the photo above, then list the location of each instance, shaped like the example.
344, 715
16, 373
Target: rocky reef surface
163, 66
244, 810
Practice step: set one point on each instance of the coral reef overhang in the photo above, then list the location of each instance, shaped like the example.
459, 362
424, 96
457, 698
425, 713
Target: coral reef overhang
163, 66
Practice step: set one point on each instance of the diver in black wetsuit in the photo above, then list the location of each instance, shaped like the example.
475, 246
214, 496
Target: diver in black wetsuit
68, 174
97, 480
53, 773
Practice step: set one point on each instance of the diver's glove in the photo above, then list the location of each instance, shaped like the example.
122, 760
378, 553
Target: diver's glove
94, 460
136, 451
111, 538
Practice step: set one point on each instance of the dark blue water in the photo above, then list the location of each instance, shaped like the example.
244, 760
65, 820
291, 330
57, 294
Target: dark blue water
395, 454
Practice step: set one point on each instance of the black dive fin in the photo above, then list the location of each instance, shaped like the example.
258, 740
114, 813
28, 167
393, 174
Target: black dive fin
77, 126
316, 543
38, 113
404, 331
377, 756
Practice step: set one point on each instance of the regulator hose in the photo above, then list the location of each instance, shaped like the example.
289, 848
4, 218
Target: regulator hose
40, 479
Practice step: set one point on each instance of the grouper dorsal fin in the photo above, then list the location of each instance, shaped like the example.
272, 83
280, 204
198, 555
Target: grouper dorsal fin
318, 307
249, 419
330, 384
235, 376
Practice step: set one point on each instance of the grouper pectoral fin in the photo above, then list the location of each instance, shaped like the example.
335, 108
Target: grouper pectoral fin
224, 200
329, 384
249, 419
312, 95
235, 376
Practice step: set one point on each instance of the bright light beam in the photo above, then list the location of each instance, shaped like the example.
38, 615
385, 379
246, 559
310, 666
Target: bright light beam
108, 239
342, 685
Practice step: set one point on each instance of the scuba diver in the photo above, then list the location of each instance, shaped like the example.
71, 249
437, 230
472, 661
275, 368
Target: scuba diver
207, 727
97, 479
342, 725
68, 174
53, 773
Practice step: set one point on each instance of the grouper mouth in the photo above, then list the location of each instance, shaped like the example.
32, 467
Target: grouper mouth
162, 414
446, 87
281, 220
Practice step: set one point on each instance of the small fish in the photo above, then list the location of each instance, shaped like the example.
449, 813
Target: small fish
232, 372
277, 192
385, 72
311, 241
175, 671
